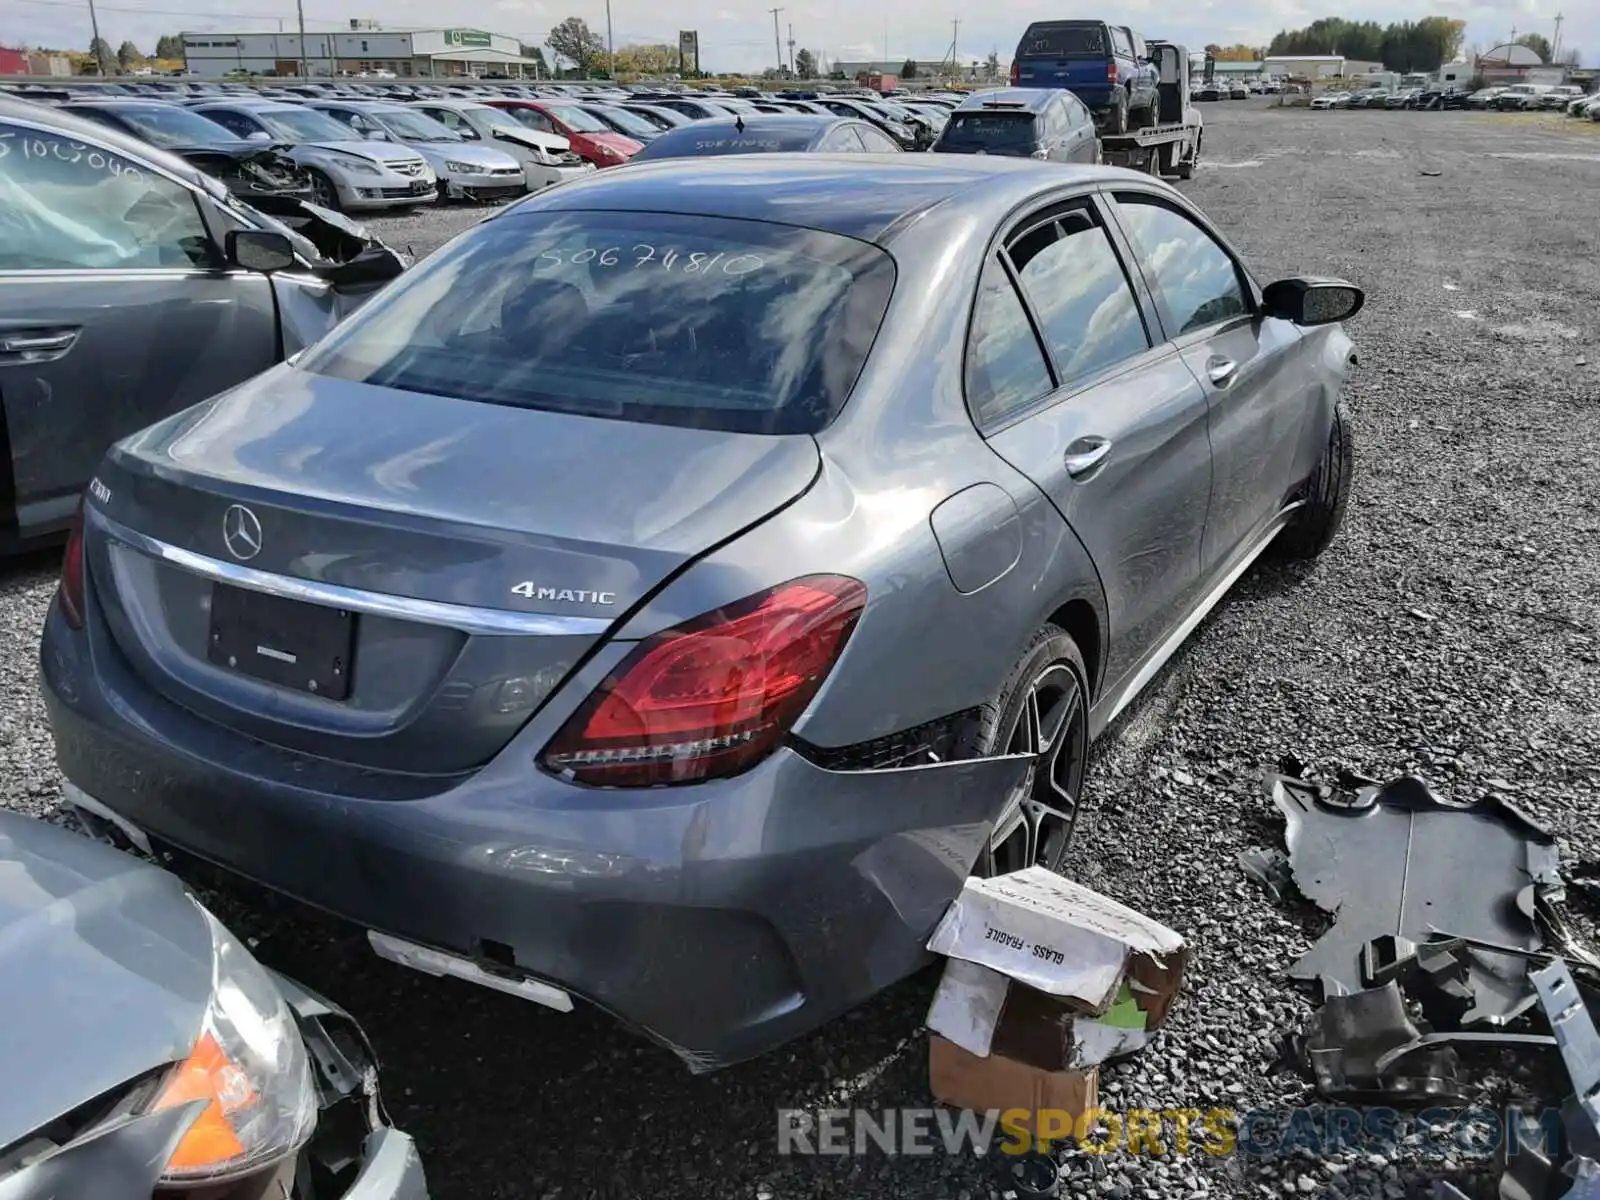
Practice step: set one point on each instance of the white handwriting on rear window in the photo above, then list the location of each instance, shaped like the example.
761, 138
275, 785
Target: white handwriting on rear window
34, 146
640, 254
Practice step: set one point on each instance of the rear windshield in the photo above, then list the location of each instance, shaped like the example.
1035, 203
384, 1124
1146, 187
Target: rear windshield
713, 323
989, 129
707, 138
1064, 40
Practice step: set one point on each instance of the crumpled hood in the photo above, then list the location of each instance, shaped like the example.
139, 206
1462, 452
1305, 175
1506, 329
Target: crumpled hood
553, 143
105, 971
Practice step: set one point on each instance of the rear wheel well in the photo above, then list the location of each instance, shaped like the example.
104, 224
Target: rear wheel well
1078, 619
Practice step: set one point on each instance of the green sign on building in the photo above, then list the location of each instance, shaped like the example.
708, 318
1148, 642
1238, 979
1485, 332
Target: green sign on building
475, 39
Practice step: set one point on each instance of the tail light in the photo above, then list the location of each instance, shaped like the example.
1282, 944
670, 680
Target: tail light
1016, 74
1111, 72
70, 591
714, 696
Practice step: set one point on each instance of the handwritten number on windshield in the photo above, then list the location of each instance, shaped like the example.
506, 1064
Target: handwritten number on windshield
695, 262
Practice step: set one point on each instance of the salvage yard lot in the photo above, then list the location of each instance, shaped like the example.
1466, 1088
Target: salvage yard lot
1454, 629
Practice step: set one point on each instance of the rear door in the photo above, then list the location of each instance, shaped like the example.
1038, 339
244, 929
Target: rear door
114, 312
1105, 419
1246, 362
1066, 54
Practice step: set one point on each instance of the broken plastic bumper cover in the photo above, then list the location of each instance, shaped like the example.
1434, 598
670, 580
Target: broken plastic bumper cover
438, 963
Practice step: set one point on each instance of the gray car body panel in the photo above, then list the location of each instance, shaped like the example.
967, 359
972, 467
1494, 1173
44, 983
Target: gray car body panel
724, 917
105, 971
62, 411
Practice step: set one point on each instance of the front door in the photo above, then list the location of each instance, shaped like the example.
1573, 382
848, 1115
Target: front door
114, 313
1104, 417
1258, 403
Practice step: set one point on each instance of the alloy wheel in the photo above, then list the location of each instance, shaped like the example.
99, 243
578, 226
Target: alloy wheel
1052, 725
322, 192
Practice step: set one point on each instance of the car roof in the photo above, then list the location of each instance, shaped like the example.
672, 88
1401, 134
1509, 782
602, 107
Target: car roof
60, 121
1024, 99
864, 196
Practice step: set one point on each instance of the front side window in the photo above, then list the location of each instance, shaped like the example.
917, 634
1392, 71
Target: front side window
1006, 369
1072, 277
1194, 275
71, 205
712, 323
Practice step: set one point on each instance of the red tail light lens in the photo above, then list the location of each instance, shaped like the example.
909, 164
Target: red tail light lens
1111, 72
70, 592
714, 696
1016, 74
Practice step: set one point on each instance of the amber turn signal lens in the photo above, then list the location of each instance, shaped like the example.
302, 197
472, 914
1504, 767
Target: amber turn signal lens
208, 1074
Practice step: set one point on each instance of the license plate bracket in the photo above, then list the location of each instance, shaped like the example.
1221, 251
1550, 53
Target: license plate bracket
305, 647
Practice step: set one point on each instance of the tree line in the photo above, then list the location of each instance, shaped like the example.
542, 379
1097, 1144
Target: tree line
1423, 45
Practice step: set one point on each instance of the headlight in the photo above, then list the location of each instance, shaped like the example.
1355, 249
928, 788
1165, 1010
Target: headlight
610, 151
249, 1065
358, 166
461, 168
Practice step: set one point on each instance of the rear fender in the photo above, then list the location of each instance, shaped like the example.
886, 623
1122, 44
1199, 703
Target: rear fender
923, 650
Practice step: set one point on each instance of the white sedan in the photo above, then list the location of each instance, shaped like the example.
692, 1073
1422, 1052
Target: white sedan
546, 158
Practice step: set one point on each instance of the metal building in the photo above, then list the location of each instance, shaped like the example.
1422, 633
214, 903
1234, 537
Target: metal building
361, 49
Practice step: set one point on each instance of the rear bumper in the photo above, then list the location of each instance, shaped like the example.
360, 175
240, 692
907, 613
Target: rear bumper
721, 919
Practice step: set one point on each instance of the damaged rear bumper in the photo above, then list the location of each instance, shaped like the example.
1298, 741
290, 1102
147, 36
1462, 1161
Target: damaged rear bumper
721, 920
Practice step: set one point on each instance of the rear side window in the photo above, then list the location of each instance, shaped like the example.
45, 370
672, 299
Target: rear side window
1121, 41
1072, 277
1006, 370
712, 323
1064, 39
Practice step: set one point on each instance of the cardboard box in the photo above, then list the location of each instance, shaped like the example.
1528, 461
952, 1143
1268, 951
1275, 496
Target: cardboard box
1047, 973
1003, 1085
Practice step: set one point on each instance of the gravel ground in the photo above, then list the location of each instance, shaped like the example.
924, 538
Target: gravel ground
1454, 630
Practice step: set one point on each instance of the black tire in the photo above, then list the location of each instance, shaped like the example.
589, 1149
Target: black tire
1327, 495
1051, 656
1185, 170
1117, 119
323, 191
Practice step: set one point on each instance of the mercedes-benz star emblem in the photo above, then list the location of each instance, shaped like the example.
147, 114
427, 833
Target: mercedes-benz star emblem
241, 532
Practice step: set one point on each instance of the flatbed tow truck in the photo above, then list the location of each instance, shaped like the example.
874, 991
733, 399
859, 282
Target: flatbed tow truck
1172, 145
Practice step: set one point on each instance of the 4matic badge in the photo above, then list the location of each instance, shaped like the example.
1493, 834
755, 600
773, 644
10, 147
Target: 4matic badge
529, 590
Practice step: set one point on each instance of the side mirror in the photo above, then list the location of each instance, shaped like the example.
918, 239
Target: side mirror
1313, 301
259, 250
377, 135
258, 135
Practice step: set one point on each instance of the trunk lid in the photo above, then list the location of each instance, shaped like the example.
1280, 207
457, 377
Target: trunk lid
483, 551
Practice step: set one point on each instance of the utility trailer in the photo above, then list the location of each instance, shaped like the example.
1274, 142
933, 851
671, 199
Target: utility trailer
1172, 145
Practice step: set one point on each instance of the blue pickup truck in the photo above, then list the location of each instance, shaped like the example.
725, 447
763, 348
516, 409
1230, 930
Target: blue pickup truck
1106, 66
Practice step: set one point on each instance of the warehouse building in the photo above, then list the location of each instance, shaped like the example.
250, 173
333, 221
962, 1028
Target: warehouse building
364, 48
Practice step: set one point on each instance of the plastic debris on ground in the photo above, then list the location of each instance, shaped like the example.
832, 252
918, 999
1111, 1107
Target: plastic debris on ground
1447, 934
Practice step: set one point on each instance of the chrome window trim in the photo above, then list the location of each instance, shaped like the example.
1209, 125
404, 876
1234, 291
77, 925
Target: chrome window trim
493, 622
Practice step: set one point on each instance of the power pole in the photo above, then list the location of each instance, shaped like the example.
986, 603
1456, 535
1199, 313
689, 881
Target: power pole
955, 34
777, 38
791, 49
99, 46
1555, 46
300, 9
611, 45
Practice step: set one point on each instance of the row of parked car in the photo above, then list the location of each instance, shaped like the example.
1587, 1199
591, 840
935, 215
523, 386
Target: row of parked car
1520, 97
363, 146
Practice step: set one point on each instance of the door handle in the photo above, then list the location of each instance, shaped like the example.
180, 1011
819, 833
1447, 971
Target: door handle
36, 345
1085, 454
1221, 370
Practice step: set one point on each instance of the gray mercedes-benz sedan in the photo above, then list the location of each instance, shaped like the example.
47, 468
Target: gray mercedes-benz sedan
671, 590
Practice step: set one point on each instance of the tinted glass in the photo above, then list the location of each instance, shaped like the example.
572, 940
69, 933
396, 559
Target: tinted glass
1005, 368
302, 124
1192, 272
170, 126
997, 131
875, 142
1086, 308
1064, 39
700, 141
706, 322
414, 125
626, 122
65, 205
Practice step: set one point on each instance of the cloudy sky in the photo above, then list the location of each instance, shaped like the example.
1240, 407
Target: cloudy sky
739, 36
